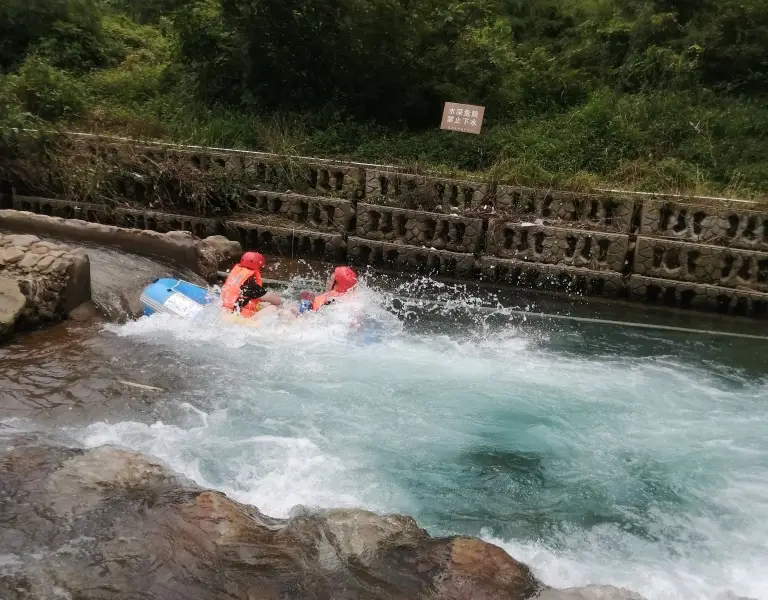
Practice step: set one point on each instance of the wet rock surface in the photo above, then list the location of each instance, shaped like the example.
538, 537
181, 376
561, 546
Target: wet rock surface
203, 256
12, 302
217, 253
109, 523
54, 279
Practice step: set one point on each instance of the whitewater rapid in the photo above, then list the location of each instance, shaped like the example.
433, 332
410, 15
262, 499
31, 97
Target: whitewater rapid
596, 455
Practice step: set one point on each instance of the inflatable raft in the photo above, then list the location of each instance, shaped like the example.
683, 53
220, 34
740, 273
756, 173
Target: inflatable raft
175, 297
184, 299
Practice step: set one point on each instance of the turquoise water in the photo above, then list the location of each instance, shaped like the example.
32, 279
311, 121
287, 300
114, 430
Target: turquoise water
595, 454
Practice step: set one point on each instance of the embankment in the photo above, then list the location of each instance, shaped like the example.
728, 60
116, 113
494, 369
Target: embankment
691, 253
42, 282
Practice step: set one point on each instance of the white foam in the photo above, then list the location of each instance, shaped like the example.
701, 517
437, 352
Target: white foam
590, 561
303, 414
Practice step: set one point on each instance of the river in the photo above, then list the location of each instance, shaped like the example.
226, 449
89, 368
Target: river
595, 453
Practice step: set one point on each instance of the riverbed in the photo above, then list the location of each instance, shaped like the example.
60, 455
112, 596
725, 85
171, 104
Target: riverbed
596, 454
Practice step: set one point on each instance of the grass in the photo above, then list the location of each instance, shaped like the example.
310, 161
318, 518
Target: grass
626, 148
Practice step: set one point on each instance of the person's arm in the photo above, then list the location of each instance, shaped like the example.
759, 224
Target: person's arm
251, 290
272, 298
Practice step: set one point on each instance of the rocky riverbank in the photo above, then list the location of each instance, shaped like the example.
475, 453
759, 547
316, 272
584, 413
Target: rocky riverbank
109, 523
40, 282
204, 256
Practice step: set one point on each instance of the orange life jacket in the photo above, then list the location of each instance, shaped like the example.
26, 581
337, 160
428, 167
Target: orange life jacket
323, 299
230, 291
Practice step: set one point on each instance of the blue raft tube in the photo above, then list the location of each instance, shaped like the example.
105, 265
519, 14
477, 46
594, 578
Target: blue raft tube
175, 297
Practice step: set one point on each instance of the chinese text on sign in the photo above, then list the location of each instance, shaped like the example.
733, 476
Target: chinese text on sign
462, 117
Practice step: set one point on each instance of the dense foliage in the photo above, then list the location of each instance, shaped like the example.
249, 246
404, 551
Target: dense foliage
668, 94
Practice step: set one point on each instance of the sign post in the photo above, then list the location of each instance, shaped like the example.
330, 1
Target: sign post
465, 118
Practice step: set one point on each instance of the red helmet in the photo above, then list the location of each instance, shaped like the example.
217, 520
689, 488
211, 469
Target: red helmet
344, 279
253, 261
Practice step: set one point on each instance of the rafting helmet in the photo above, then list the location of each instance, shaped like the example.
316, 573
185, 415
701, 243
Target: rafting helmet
254, 261
344, 279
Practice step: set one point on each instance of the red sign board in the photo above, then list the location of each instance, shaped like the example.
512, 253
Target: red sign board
462, 117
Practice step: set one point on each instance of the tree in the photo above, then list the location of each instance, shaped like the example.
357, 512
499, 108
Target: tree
67, 31
389, 60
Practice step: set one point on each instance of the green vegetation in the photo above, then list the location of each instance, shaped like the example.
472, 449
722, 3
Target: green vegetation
665, 95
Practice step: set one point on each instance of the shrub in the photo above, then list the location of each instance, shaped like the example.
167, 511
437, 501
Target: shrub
47, 92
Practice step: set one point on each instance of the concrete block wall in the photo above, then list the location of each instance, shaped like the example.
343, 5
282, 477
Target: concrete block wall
419, 228
734, 226
683, 252
298, 243
411, 258
699, 296
553, 277
418, 191
316, 212
553, 245
700, 263
607, 213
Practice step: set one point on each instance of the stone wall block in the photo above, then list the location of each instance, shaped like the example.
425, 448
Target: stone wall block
324, 214
418, 228
553, 277
11, 255
460, 196
734, 226
700, 263
572, 247
605, 212
336, 180
394, 187
676, 294
286, 241
410, 258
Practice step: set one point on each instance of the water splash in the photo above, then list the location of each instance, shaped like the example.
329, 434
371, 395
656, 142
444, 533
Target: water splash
597, 456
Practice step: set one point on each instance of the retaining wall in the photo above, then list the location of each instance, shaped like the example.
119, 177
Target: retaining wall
419, 228
737, 227
46, 281
692, 253
553, 245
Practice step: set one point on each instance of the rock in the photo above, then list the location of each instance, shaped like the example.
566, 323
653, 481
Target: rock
180, 235
11, 255
23, 241
44, 245
45, 262
59, 266
12, 303
439, 244
38, 250
29, 260
216, 253
78, 288
48, 315
590, 592
117, 524
85, 312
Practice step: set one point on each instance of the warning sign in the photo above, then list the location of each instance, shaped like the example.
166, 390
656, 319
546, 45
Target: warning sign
462, 117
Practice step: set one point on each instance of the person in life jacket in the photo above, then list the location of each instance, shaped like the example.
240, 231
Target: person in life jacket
342, 281
243, 290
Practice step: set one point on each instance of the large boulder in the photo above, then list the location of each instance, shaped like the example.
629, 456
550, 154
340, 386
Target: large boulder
217, 253
12, 303
108, 523
53, 278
